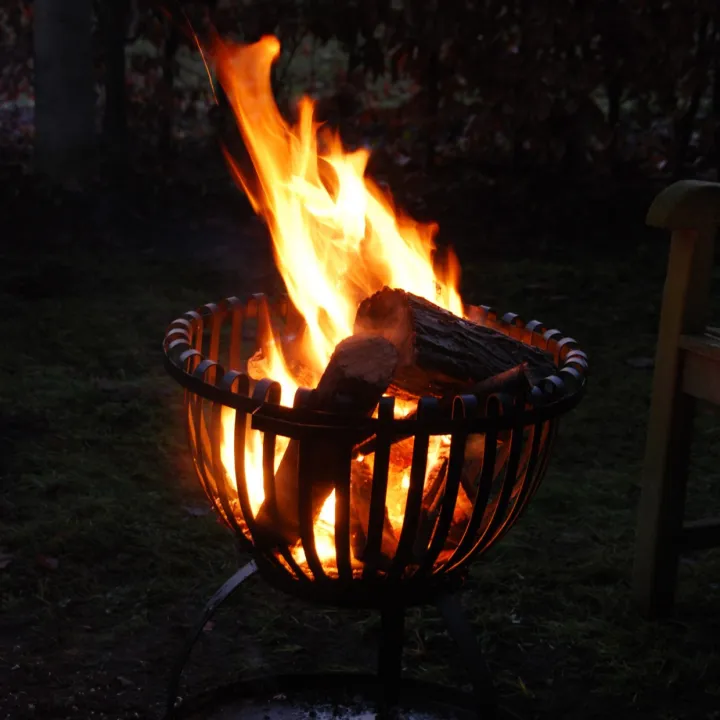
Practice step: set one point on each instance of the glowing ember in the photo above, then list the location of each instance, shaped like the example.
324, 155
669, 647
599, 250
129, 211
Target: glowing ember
336, 239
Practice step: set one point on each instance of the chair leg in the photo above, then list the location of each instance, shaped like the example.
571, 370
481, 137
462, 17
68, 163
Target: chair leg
661, 513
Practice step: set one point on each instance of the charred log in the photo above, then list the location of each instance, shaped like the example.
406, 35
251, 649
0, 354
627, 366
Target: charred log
360, 498
513, 382
355, 379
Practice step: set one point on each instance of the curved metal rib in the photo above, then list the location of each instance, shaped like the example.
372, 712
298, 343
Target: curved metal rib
222, 594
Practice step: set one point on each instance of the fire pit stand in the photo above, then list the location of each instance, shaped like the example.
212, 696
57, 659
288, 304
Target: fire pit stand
207, 350
481, 703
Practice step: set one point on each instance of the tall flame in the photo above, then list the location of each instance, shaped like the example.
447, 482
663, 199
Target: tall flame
336, 236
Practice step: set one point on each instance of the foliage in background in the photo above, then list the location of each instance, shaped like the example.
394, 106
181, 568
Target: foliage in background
512, 85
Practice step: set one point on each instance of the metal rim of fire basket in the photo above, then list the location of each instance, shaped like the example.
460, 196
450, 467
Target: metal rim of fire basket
195, 347
185, 362
196, 342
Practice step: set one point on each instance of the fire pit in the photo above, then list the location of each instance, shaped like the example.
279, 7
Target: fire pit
367, 436
235, 424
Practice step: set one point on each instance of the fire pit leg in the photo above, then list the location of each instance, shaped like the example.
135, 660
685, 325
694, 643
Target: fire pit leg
223, 593
392, 630
463, 634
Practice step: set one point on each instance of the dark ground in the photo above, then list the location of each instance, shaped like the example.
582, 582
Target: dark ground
107, 547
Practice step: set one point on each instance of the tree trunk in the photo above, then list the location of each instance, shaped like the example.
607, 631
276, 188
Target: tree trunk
615, 88
684, 125
64, 89
172, 41
114, 17
716, 105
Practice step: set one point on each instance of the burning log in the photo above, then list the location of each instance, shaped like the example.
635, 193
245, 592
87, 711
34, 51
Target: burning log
442, 354
434, 492
360, 497
354, 380
461, 519
409, 347
474, 454
513, 382
432, 502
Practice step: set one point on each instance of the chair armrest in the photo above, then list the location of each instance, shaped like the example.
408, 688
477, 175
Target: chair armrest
686, 205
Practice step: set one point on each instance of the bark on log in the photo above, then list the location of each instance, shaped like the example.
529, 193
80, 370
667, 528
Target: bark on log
440, 353
355, 379
513, 382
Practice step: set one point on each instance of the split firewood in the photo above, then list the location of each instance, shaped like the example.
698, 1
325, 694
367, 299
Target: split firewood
513, 382
461, 519
474, 455
355, 379
435, 488
442, 354
467, 492
469, 486
401, 454
433, 495
360, 499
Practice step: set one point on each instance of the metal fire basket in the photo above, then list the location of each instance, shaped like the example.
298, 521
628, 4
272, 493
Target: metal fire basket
207, 350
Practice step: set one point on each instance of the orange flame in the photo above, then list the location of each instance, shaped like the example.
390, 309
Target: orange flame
336, 239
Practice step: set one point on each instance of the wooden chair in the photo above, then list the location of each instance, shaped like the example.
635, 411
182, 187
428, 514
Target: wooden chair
687, 368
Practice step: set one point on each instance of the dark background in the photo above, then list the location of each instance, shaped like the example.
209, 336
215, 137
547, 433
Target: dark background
535, 133
545, 106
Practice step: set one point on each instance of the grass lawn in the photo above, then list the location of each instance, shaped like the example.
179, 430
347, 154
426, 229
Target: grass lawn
107, 550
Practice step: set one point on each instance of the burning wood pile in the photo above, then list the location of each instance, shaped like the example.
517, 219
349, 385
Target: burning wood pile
379, 318
406, 347
417, 432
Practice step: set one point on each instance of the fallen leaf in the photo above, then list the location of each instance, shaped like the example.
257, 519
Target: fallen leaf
49, 563
5, 559
641, 363
196, 510
523, 687
125, 682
